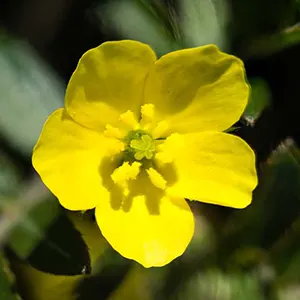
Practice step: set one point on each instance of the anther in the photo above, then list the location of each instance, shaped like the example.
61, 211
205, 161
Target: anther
112, 132
129, 120
160, 130
156, 178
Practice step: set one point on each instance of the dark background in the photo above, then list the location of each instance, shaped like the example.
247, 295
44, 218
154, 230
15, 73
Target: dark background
249, 254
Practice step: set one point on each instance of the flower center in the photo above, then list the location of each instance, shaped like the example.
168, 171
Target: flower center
139, 146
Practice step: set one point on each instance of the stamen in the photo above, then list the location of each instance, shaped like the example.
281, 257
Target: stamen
141, 139
160, 130
166, 150
112, 132
147, 111
115, 147
126, 172
156, 178
129, 120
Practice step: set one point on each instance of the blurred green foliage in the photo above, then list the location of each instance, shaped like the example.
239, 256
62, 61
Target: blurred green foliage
5, 291
29, 90
204, 22
260, 99
138, 20
235, 254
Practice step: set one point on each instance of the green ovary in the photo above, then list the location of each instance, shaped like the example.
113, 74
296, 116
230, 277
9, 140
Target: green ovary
139, 145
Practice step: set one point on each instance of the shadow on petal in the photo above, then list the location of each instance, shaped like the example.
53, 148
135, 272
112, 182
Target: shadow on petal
140, 189
169, 173
116, 195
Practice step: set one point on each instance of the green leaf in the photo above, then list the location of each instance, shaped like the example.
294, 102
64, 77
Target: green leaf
252, 20
268, 45
135, 20
62, 251
30, 231
259, 100
29, 93
34, 284
204, 22
104, 283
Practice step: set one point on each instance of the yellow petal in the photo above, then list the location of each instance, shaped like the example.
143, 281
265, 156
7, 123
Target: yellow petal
212, 167
197, 89
144, 225
108, 81
67, 156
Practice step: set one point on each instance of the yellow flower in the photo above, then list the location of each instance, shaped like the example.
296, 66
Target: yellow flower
139, 135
